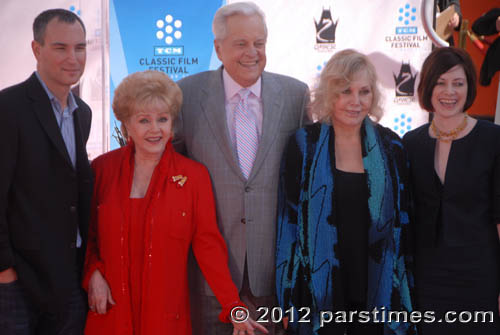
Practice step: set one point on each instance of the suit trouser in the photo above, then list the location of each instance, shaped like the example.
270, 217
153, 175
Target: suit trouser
18, 316
205, 312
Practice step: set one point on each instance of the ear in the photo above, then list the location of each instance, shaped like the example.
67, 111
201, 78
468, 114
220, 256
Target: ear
217, 46
35, 47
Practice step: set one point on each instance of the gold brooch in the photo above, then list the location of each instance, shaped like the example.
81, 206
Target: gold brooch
180, 180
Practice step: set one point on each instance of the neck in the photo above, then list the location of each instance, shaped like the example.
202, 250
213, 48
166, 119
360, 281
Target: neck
60, 92
346, 132
447, 124
145, 159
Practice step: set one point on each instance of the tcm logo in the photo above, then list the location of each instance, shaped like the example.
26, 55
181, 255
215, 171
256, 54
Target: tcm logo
405, 81
169, 29
169, 51
325, 28
406, 30
407, 15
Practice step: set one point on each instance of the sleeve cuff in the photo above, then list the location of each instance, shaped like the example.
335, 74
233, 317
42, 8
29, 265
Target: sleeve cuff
225, 314
89, 271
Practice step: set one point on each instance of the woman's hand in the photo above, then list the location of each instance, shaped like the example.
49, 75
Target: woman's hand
8, 276
248, 328
99, 293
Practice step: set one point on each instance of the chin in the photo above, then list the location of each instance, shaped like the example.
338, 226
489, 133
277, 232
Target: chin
149, 150
448, 113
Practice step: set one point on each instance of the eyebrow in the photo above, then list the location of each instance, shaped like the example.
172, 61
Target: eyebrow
64, 44
453, 79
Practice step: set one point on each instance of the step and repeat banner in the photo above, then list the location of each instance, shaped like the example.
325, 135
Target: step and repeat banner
175, 37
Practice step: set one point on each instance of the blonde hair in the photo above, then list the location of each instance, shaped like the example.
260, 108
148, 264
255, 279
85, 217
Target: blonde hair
336, 77
140, 90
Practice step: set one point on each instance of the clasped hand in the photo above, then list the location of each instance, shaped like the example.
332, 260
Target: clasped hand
99, 294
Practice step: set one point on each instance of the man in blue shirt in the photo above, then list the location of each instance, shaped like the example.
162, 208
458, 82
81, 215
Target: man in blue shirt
45, 186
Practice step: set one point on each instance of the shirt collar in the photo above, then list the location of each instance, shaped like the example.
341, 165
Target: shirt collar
71, 99
231, 87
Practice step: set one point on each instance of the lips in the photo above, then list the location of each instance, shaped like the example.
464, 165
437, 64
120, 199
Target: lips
449, 103
71, 71
249, 64
353, 113
154, 139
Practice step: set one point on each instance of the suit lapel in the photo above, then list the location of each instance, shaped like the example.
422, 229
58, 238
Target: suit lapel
272, 105
81, 154
45, 114
213, 105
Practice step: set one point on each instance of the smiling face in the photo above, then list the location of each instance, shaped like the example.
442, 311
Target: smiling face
150, 128
353, 103
450, 92
243, 50
61, 58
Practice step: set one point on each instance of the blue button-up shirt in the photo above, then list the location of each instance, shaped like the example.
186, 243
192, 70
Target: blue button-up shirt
66, 124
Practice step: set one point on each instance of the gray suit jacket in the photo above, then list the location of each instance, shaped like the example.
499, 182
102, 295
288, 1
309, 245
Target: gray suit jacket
246, 209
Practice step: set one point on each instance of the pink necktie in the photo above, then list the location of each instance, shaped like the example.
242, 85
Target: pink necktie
245, 130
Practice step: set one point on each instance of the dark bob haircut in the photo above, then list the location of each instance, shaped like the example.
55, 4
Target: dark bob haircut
43, 19
439, 61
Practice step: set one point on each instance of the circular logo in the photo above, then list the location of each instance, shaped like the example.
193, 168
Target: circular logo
239, 314
166, 30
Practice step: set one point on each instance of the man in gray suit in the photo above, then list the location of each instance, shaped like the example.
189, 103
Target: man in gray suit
236, 121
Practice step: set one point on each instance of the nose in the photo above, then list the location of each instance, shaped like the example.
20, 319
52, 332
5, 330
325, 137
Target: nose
355, 100
251, 51
71, 55
450, 88
155, 126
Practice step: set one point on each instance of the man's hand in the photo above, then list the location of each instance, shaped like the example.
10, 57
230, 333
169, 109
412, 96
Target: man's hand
498, 24
8, 276
454, 21
99, 293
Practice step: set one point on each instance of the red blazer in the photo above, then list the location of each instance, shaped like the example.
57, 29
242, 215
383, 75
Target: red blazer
179, 216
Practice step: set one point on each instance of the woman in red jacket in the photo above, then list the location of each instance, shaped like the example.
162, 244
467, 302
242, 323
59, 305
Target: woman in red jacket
150, 205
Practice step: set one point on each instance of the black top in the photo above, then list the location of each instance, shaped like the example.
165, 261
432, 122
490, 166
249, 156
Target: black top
352, 219
464, 210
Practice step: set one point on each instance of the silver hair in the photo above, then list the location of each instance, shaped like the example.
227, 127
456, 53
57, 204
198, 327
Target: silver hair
238, 8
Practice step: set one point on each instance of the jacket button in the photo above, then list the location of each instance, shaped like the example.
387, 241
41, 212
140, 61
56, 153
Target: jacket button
248, 189
72, 209
243, 221
177, 316
72, 245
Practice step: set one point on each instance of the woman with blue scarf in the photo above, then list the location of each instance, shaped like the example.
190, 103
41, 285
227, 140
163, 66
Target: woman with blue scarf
343, 223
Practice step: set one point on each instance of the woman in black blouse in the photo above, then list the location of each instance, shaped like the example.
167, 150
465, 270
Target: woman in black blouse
455, 171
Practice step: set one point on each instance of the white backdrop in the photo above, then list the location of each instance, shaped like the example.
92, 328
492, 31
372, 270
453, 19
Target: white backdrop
390, 32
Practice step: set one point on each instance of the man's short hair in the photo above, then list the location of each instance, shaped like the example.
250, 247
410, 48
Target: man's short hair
238, 8
43, 19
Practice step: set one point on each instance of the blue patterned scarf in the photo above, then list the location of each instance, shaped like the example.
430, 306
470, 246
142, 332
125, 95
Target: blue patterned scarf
306, 234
